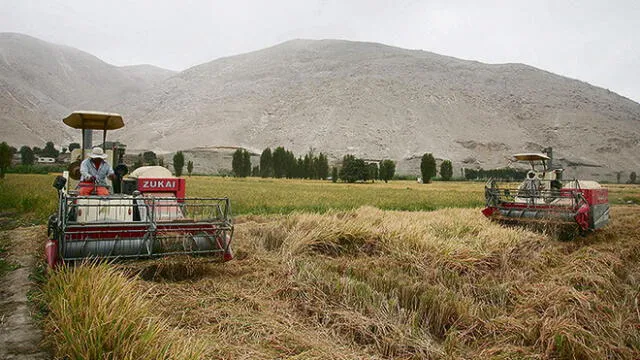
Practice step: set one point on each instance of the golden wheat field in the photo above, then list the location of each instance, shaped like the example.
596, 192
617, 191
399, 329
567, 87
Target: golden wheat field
364, 271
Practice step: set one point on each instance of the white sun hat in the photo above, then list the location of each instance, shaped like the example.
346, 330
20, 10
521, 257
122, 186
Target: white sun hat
97, 152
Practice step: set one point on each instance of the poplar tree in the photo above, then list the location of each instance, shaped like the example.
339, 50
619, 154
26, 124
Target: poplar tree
428, 167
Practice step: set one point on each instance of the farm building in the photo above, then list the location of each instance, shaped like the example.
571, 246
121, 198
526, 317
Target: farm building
45, 160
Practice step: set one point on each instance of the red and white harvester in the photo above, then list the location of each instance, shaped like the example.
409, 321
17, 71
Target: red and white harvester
148, 217
542, 198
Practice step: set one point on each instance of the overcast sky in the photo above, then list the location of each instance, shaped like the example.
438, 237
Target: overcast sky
594, 41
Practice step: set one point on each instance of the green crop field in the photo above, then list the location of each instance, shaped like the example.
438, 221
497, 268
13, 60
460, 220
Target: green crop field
34, 199
31, 198
268, 196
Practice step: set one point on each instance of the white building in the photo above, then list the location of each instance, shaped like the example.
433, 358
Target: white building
45, 160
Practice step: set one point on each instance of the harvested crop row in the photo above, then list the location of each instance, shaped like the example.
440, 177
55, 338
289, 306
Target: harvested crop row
369, 283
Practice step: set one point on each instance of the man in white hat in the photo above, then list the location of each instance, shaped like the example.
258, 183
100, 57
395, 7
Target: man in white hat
93, 173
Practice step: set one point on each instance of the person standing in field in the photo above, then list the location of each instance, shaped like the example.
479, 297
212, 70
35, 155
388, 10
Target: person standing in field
94, 171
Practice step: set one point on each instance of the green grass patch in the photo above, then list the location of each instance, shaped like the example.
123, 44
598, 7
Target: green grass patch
36, 169
27, 198
30, 198
284, 196
624, 193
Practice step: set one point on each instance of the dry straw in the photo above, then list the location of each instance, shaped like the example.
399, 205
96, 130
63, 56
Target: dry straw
97, 313
373, 284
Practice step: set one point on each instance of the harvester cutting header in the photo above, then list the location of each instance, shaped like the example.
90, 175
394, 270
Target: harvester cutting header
143, 215
542, 198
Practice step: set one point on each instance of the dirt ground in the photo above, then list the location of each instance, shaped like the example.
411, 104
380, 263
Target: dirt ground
20, 336
250, 308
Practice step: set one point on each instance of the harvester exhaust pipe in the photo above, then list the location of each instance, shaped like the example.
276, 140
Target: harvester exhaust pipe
87, 141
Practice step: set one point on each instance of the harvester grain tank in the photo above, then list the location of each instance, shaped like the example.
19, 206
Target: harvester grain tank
150, 218
543, 198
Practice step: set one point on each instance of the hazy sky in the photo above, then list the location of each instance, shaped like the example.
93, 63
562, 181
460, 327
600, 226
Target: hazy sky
594, 41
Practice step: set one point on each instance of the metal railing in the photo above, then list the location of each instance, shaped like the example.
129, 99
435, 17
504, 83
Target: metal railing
142, 226
496, 196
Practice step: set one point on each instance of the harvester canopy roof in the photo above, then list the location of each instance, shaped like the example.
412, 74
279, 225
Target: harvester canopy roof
94, 120
152, 172
531, 157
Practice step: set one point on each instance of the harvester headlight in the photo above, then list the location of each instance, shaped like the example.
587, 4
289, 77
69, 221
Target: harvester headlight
59, 182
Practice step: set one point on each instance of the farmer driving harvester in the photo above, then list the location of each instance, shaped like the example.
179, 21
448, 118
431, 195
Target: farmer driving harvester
151, 218
94, 171
92, 165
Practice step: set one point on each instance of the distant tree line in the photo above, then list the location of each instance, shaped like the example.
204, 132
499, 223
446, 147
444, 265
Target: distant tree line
428, 169
27, 164
241, 163
147, 158
28, 155
281, 163
355, 169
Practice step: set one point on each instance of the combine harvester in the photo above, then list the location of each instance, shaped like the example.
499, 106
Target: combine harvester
150, 217
542, 200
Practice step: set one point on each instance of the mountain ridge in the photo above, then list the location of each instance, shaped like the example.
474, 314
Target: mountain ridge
540, 114
378, 101
43, 82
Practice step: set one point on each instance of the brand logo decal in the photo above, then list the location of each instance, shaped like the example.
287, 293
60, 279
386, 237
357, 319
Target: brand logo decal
162, 184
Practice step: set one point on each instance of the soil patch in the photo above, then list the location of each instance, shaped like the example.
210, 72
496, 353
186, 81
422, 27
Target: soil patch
20, 337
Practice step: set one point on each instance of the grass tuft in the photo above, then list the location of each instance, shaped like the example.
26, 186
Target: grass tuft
97, 313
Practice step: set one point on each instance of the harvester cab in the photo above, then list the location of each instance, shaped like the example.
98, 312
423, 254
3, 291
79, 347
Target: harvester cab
149, 217
543, 199
538, 179
90, 122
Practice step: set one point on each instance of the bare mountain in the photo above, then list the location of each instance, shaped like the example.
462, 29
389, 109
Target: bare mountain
378, 101
41, 82
149, 74
339, 97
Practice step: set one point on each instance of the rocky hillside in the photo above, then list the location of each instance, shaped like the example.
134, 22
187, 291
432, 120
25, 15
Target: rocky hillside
42, 82
339, 97
378, 101
150, 75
